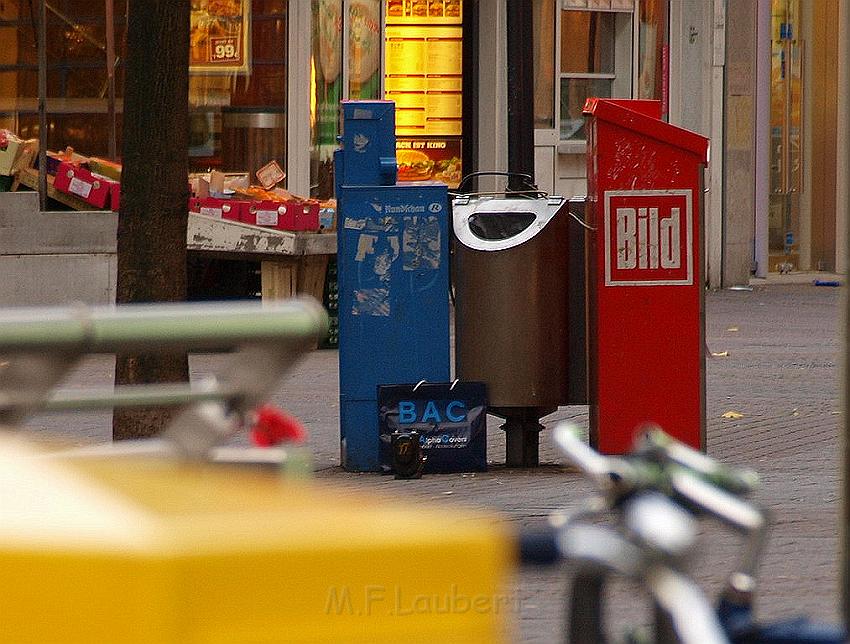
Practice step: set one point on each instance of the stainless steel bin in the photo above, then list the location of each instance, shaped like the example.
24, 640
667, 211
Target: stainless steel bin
511, 325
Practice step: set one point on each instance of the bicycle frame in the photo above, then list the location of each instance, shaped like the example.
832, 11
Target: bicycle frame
686, 479
42, 345
660, 535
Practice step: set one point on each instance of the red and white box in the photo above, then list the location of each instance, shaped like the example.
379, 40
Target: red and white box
306, 215
219, 208
91, 188
115, 197
270, 214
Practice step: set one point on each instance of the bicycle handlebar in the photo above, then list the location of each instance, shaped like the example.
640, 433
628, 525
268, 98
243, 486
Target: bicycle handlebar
655, 442
649, 466
664, 467
591, 463
697, 481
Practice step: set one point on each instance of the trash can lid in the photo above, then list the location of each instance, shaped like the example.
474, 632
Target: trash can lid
492, 224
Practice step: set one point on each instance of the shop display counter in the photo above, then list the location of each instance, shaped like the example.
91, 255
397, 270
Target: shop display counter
36, 244
291, 262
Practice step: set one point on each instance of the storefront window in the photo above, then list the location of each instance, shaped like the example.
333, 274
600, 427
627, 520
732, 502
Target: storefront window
237, 84
653, 51
326, 82
337, 75
544, 64
364, 49
237, 78
598, 45
786, 130
587, 42
77, 80
596, 59
588, 46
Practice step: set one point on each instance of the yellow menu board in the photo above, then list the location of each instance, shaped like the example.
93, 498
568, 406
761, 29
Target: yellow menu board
218, 37
423, 159
406, 57
446, 12
444, 52
423, 75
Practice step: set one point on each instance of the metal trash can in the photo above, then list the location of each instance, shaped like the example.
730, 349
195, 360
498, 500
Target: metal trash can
511, 319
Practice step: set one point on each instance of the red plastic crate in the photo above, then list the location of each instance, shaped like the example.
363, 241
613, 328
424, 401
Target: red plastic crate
270, 214
115, 197
219, 208
306, 216
90, 187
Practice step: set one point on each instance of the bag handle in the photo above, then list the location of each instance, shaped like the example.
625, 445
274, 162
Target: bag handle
424, 382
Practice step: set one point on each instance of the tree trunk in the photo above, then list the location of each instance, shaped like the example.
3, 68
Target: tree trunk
154, 189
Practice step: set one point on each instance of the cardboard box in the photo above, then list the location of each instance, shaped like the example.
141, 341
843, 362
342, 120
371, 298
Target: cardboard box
10, 148
110, 169
92, 188
27, 156
219, 208
55, 158
11, 152
270, 175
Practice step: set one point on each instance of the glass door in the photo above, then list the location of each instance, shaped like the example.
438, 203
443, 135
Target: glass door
338, 73
786, 150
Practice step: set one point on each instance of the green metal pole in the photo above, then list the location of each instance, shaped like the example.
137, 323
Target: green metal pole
138, 396
160, 327
844, 179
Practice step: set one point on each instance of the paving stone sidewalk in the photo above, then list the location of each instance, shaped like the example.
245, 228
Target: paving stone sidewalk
778, 367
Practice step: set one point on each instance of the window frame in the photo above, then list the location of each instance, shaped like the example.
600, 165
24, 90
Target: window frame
626, 58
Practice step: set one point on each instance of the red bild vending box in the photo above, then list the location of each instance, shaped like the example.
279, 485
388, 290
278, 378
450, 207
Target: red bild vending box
646, 322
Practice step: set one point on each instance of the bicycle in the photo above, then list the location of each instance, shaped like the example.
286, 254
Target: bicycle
42, 345
655, 494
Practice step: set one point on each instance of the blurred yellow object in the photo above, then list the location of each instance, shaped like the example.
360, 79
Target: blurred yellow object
128, 550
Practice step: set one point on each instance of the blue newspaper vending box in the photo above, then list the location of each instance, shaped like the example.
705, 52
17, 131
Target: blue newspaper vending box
393, 259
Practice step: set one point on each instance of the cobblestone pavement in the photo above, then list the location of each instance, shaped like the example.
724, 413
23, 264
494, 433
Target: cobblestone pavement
781, 374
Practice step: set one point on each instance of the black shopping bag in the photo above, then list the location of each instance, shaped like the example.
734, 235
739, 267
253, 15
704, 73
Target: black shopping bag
450, 419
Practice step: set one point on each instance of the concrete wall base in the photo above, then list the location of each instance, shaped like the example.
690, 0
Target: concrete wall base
51, 258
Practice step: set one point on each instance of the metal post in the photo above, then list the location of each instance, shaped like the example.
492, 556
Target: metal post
520, 89
844, 179
110, 74
42, 107
469, 142
762, 135
522, 436
522, 429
